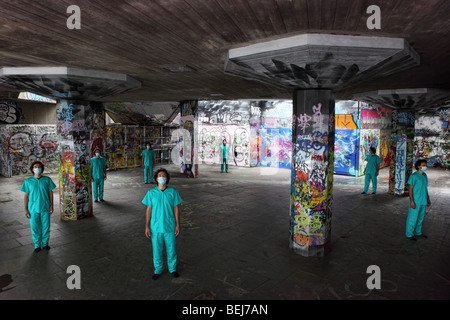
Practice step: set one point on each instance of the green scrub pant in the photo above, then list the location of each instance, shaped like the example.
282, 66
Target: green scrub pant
373, 177
40, 228
158, 240
97, 184
224, 161
148, 170
414, 220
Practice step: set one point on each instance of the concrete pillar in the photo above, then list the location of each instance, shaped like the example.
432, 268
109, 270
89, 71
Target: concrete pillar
402, 151
312, 171
80, 129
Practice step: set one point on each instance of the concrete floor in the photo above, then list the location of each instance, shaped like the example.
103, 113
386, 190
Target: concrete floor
234, 243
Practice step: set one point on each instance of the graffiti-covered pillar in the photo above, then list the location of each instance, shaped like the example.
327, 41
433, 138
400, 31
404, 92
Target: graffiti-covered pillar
402, 151
80, 129
312, 171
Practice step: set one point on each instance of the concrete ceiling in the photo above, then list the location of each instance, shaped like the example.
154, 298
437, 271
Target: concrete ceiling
147, 39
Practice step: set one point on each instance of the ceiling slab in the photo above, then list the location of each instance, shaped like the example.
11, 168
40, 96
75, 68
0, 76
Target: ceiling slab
143, 38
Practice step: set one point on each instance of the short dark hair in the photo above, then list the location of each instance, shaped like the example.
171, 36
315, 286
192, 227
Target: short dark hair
37, 162
418, 163
373, 150
155, 177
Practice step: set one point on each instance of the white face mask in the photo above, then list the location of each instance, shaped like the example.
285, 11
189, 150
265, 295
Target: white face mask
162, 180
424, 169
37, 171
97, 154
148, 147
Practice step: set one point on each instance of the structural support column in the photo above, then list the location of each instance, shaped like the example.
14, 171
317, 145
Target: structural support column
312, 171
402, 151
77, 121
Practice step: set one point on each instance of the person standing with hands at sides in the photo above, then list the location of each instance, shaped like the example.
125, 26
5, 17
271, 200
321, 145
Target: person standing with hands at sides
162, 224
98, 168
38, 202
148, 159
224, 150
418, 200
371, 171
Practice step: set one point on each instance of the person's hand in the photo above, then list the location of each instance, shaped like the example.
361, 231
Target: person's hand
147, 232
413, 205
27, 213
51, 210
177, 231
429, 203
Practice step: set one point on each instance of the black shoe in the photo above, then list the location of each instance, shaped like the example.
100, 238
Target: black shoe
37, 250
422, 236
146, 183
155, 276
175, 274
102, 200
363, 192
96, 201
47, 247
412, 238
374, 193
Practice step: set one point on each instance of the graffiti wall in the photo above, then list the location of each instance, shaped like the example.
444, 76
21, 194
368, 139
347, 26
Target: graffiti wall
432, 139
360, 126
312, 173
10, 113
257, 132
21, 145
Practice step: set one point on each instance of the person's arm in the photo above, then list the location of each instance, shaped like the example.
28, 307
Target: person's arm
176, 212
50, 196
25, 200
104, 171
378, 169
428, 199
411, 197
142, 162
148, 217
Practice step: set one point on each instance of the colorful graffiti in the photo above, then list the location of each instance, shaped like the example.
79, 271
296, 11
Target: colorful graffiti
400, 164
346, 149
74, 127
311, 177
23, 144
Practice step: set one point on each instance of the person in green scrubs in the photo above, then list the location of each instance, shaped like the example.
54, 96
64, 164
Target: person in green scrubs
38, 202
224, 150
148, 159
419, 200
98, 165
162, 223
371, 171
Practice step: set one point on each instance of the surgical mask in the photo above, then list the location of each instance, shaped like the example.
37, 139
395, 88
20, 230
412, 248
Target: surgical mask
37, 171
148, 147
97, 154
162, 180
424, 169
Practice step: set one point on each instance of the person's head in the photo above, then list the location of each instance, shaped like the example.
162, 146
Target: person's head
224, 141
97, 152
149, 146
420, 164
162, 173
37, 168
372, 150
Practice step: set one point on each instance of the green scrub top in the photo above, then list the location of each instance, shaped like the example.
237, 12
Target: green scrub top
38, 189
162, 204
225, 150
97, 165
372, 163
148, 157
419, 183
